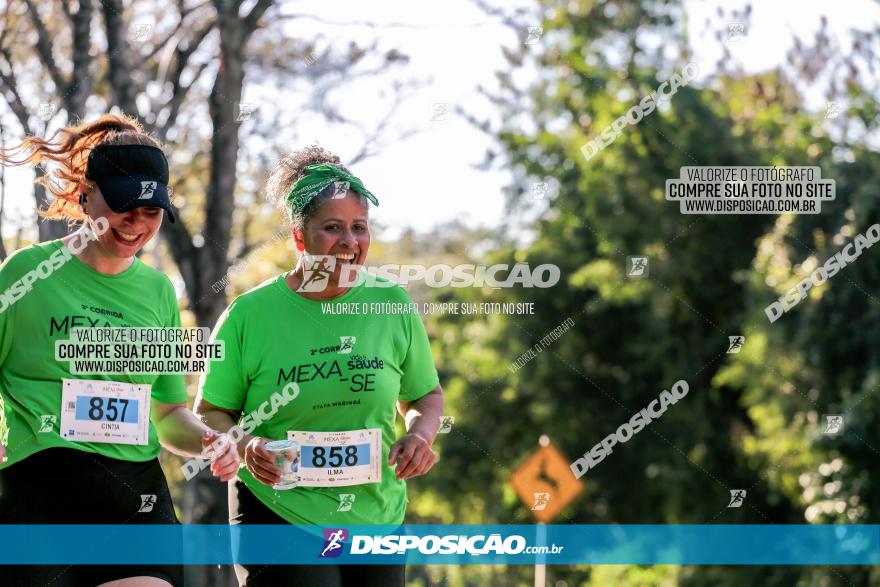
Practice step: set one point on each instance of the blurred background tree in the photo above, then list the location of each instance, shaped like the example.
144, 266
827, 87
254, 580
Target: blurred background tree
751, 420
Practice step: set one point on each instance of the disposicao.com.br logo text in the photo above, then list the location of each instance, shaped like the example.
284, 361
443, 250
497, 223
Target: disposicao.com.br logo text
451, 544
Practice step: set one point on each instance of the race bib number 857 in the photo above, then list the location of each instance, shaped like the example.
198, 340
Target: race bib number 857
104, 411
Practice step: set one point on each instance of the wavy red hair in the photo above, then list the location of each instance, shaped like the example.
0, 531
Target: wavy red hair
67, 152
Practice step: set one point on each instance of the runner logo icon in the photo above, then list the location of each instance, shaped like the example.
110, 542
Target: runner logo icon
736, 343
147, 503
441, 109
446, 423
346, 500
340, 190
637, 266
333, 540
147, 189
346, 344
833, 424
534, 35
316, 272
541, 501
735, 32
736, 498
47, 423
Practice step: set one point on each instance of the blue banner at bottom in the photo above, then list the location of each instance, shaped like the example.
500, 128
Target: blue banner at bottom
443, 544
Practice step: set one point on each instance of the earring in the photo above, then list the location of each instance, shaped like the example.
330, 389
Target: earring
301, 246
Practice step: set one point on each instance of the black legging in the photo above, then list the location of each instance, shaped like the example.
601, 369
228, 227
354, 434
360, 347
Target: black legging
245, 508
70, 486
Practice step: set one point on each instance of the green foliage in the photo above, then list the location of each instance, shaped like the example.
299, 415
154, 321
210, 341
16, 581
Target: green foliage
751, 420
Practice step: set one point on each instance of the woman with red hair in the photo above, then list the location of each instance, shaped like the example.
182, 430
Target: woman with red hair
113, 178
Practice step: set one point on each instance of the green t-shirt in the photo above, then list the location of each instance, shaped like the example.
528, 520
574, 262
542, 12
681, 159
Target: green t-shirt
273, 336
73, 295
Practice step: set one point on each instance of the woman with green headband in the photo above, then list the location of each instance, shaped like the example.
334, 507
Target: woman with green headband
348, 372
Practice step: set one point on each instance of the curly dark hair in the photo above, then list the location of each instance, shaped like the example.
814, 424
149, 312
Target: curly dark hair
290, 169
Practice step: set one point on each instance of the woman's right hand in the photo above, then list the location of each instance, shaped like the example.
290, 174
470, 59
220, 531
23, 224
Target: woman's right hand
260, 462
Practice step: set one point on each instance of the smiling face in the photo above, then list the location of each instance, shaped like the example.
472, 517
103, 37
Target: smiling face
339, 228
129, 231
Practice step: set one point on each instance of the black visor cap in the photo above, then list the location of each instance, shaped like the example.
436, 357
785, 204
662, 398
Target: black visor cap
131, 176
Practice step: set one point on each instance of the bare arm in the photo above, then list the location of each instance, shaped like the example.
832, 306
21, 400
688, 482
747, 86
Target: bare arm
251, 449
422, 416
181, 432
412, 454
219, 419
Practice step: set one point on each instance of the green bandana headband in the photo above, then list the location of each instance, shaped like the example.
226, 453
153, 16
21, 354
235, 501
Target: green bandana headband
317, 179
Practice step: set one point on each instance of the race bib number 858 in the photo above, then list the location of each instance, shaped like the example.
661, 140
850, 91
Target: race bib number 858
338, 459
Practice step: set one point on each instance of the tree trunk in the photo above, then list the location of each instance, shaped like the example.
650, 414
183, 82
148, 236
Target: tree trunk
47, 230
82, 80
72, 92
118, 63
211, 258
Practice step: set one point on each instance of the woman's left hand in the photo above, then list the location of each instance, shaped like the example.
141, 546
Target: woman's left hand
223, 454
413, 456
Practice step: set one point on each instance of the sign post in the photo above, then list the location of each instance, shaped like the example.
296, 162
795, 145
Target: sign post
546, 485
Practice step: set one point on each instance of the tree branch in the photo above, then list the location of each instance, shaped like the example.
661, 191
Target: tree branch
44, 48
372, 142
178, 95
253, 18
372, 25
164, 42
181, 61
9, 85
508, 20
